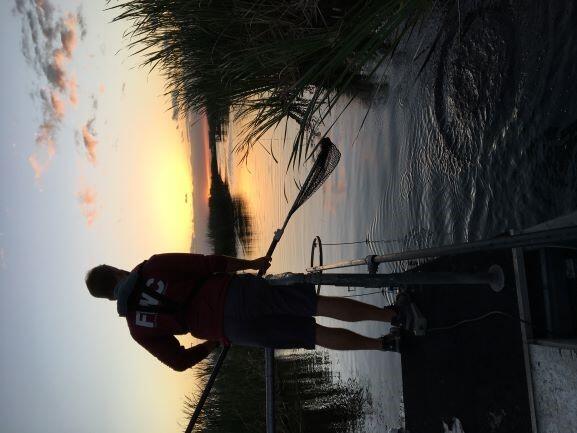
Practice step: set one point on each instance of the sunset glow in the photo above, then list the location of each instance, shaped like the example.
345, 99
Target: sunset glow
96, 170
169, 186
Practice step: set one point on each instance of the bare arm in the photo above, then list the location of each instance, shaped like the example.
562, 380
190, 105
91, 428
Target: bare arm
206, 264
169, 351
233, 264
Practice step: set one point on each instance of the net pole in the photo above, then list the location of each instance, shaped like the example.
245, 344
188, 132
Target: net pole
323, 166
207, 389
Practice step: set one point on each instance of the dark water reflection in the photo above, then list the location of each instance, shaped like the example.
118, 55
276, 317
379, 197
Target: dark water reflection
229, 222
311, 398
483, 139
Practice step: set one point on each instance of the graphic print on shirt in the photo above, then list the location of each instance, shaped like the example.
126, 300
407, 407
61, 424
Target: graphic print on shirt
147, 319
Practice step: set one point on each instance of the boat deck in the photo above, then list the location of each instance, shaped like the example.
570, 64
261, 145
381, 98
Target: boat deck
475, 372
554, 372
496, 374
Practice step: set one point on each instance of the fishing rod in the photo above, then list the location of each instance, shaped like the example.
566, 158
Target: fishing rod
327, 159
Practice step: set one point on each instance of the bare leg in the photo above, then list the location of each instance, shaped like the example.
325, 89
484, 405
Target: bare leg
350, 310
343, 339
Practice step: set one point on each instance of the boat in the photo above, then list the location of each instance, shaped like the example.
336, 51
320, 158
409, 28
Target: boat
496, 355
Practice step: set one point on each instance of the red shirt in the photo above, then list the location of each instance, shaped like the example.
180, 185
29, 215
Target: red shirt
191, 280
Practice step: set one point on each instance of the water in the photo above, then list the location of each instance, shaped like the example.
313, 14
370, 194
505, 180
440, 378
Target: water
482, 140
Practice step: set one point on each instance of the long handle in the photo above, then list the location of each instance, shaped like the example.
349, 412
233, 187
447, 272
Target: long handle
207, 389
321, 169
275, 240
268, 352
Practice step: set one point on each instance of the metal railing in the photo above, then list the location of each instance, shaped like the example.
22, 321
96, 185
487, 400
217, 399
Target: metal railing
532, 239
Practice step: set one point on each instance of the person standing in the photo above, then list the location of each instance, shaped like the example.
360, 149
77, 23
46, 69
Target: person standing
178, 293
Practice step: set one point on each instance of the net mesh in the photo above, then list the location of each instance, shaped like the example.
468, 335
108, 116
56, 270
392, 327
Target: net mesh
327, 159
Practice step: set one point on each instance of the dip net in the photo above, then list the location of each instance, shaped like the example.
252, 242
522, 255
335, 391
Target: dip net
327, 159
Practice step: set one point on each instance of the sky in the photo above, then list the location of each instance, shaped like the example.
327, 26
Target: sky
94, 169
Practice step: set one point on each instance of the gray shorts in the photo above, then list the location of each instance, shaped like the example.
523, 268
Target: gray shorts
260, 315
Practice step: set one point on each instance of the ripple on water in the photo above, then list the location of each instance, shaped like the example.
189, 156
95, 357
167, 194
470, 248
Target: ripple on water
474, 82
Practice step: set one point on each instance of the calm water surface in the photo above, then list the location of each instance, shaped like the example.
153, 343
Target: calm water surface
482, 140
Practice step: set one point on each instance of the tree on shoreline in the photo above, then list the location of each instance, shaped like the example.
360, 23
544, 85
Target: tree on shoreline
229, 224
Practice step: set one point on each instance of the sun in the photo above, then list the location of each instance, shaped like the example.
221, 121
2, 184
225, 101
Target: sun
167, 185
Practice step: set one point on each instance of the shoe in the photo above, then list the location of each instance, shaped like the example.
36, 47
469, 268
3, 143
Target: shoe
391, 342
402, 308
409, 316
394, 309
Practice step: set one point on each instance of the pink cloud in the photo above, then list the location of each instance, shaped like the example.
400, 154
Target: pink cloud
90, 142
87, 200
57, 104
87, 196
41, 4
49, 40
44, 138
36, 166
68, 35
73, 90
56, 70
90, 216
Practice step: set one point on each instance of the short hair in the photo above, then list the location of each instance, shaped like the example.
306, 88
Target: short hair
101, 281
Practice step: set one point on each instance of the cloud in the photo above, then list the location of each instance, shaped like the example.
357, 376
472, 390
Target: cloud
87, 200
55, 69
81, 22
19, 6
90, 141
57, 104
46, 149
45, 12
2, 258
44, 138
49, 40
68, 35
87, 196
72, 90
36, 166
